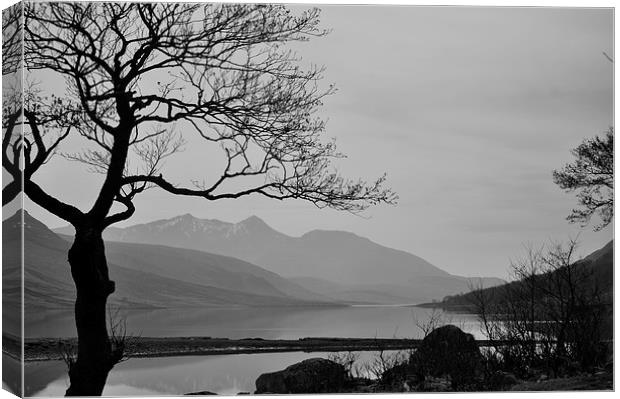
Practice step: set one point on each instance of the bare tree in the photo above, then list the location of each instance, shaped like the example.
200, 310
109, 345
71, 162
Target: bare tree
574, 306
592, 176
140, 78
552, 314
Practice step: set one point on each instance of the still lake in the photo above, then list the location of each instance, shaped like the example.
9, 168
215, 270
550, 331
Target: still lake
224, 374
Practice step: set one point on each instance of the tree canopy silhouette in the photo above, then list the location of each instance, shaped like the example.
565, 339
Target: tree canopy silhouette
592, 176
140, 78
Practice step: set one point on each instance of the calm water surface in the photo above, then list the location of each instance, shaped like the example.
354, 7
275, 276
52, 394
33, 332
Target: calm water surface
268, 323
226, 374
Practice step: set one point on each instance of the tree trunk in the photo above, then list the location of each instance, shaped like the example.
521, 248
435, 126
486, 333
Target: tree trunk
95, 357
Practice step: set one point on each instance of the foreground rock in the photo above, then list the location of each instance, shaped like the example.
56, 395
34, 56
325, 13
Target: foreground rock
448, 351
448, 359
309, 376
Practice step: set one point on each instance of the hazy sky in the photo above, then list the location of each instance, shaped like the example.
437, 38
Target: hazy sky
468, 110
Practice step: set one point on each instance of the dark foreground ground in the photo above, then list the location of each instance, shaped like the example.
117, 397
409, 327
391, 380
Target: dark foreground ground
601, 381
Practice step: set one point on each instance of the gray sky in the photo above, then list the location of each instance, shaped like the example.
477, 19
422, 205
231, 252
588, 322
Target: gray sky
468, 110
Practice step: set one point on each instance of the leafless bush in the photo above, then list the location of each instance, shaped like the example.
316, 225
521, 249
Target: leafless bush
348, 361
435, 319
379, 363
117, 326
382, 361
549, 318
119, 339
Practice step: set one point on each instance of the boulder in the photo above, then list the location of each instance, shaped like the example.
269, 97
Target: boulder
448, 351
400, 378
309, 376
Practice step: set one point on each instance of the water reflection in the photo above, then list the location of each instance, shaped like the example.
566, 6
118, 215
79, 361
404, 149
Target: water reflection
227, 374
268, 323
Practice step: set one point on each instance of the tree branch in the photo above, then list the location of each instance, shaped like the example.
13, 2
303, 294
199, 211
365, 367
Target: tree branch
64, 211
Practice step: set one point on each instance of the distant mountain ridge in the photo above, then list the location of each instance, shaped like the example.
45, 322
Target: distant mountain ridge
150, 276
369, 271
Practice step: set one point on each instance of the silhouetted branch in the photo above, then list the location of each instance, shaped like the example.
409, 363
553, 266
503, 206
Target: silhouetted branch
229, 81
64, 211
11, 39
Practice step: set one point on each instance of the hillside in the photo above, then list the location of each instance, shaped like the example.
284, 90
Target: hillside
600, 262
363, 270
150, 276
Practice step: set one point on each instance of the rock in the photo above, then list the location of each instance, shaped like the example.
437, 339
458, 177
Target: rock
448, 351
309, 376
201, 393
400, 378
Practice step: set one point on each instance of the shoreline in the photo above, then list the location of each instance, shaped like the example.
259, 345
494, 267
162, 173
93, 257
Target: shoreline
46, 349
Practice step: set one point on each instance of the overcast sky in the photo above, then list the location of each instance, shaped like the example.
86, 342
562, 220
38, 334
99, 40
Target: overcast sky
468, 110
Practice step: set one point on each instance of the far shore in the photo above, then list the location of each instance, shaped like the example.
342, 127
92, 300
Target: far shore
42, 349
453, 308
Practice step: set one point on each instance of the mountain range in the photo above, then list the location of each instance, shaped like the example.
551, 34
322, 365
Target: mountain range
151, 276
338, 265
